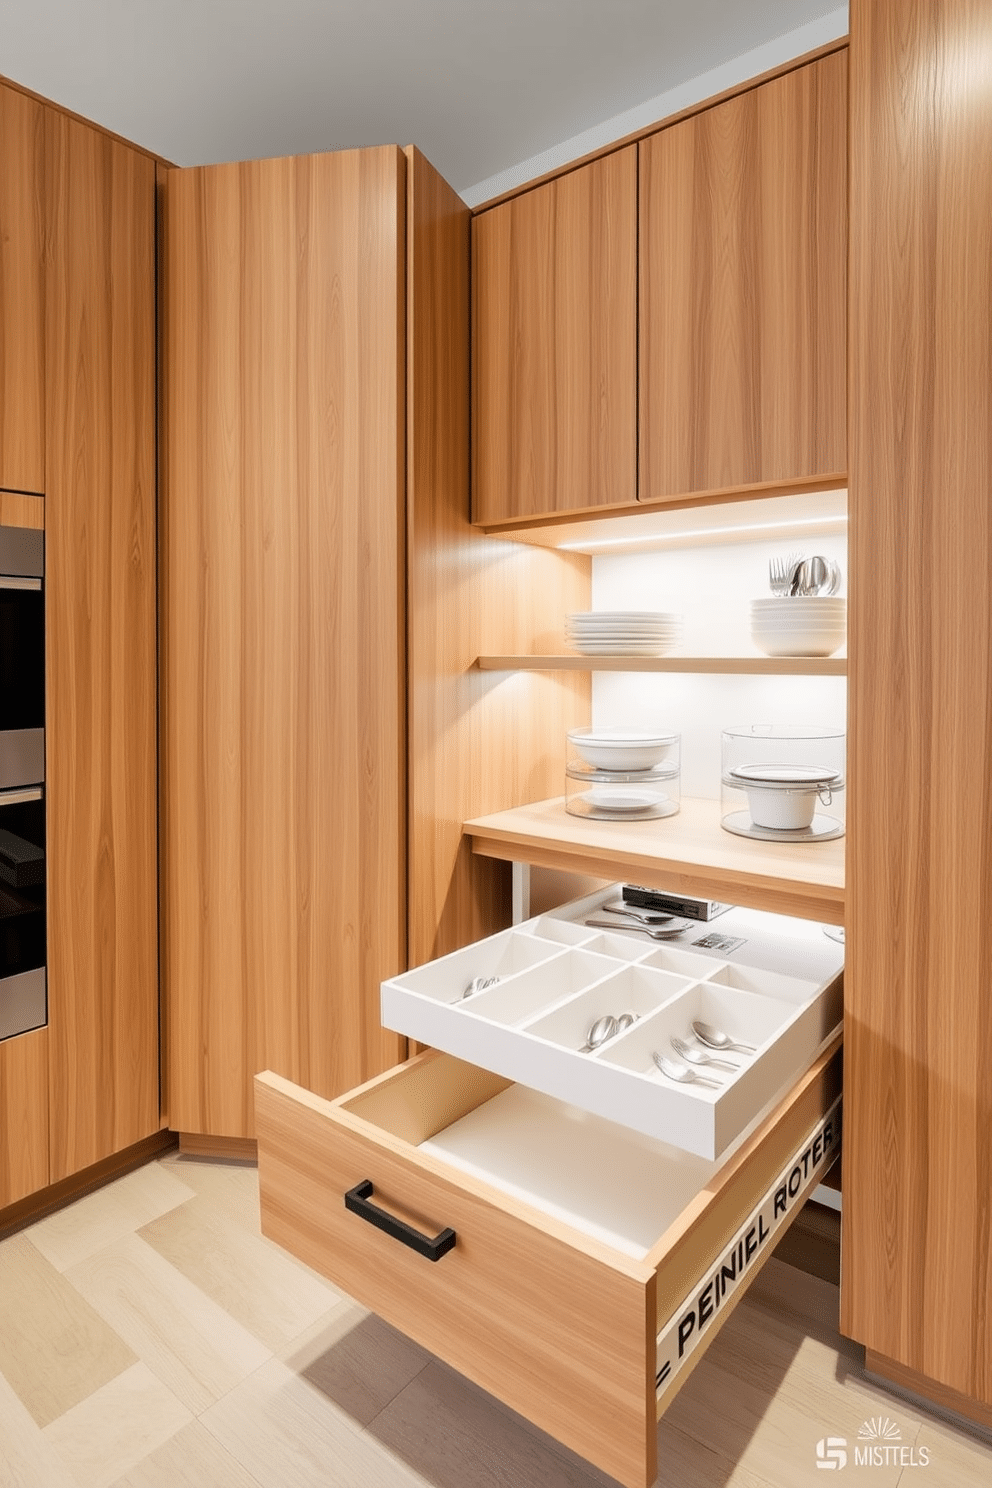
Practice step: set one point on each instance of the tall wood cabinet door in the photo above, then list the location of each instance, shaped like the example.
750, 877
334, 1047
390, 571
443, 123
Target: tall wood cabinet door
554, 345
22, 293
23, 1115
917, 1237
743, 250
283, 682
101, 646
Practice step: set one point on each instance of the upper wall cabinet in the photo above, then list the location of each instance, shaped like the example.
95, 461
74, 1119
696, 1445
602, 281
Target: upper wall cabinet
554, 301
743, 242
22, 300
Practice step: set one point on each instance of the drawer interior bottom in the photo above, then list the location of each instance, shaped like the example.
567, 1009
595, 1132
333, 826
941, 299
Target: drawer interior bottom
616, 1185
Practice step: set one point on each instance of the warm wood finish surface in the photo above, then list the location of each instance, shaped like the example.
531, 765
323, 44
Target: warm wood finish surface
560, 1333
742, 260
554, 292
552, 1321
688, 853
101, 700
778, 666
283, 799
22, 292
23, 1115
18, 510
917, 1264
477, 743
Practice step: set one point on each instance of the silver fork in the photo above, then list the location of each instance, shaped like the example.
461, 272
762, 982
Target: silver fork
781, 572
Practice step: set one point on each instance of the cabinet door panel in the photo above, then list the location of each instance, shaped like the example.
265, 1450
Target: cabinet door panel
743, 241
101, 646
554, 345
917, 1235
22, 291
283, 863
23, 1115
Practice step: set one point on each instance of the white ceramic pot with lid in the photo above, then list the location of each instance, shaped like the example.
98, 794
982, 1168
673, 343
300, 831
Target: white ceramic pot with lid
783, 797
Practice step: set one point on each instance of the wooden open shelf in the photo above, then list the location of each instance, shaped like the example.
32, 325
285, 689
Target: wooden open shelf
780, 666
688, 853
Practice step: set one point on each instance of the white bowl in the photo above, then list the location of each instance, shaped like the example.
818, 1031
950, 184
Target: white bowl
785, 635
816, 643
621, 748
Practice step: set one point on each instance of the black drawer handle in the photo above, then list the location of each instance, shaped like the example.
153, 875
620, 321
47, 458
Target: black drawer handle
357, 1200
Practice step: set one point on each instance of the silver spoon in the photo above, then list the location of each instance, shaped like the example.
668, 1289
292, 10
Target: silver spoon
817, 575
604, 1028
651, 918
477, 984
624, 1020
694, 1055
667, 932
681, 1073
715, 1038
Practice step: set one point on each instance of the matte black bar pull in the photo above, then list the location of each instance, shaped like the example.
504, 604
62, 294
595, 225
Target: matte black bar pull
357, 1200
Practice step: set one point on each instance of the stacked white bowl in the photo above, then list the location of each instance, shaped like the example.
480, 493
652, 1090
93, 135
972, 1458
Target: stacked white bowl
800, 625
622, 773
623, 632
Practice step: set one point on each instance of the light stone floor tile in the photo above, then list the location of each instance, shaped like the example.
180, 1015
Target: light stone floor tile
289, 1435
190, 1459
190, 1343
72, 1234
117, 1427
260, 1285
27, 1457
233, 1186
356, 1360
764, 1428
55, 1349
454, 1436
954, 1458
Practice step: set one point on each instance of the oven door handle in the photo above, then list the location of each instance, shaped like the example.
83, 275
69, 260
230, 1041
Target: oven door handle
19, 581
19, 794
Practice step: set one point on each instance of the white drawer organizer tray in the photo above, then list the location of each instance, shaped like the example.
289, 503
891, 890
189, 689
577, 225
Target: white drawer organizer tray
765, 980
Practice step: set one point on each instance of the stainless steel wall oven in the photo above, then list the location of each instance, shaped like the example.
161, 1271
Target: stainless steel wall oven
23, 926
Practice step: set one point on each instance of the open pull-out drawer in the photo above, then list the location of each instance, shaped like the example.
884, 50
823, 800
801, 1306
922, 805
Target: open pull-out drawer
773, 984
573, 1268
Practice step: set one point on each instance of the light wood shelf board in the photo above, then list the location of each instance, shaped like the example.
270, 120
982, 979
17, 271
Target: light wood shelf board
777, 666
689, 852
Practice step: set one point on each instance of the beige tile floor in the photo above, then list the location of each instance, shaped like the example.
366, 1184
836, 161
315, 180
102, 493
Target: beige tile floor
151, 1338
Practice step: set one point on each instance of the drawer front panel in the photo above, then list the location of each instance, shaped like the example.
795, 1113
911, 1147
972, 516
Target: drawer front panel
556, 1331
577, 1337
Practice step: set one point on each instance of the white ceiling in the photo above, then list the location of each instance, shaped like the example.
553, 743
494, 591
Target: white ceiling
479, 87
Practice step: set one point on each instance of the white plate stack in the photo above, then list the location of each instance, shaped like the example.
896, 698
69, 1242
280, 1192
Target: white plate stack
623, 632
811, 625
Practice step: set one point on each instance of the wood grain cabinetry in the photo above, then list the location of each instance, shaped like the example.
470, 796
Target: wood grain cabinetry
283, 626
101, 667
742, 258
23, 1115
476, 743
22, 292
917, 1256
554, 291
